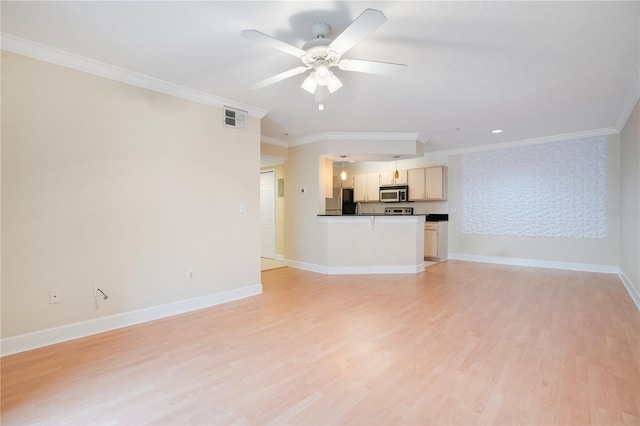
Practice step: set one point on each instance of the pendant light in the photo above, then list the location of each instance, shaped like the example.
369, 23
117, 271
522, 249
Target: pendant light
396, 174
343, 174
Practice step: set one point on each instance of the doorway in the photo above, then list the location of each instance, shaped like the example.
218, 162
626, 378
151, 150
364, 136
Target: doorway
268, 214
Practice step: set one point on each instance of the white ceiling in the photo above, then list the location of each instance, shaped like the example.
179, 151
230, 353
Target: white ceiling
534, 69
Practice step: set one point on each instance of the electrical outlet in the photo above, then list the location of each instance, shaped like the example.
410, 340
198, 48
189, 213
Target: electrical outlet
54, 296
190, 275
243, 208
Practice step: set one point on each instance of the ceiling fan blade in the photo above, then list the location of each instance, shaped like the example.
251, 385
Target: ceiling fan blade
361, 27
278, 77
371, 67
273, 42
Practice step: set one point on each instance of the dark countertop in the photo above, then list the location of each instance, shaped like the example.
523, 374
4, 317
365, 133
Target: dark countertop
428, 217
437, 217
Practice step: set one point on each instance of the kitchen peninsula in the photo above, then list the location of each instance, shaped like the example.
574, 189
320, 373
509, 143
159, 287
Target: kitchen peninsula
374, 243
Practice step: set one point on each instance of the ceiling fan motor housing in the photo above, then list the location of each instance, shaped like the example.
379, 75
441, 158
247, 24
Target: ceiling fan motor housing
320, 30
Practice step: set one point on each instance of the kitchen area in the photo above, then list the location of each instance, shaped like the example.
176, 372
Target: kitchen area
386, 221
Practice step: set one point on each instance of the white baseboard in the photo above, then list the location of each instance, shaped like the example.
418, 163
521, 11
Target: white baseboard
357, 270
279, 256
311, 267
38, 339
631, 289
537, 263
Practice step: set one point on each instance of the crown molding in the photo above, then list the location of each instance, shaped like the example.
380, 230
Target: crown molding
607, 131
632, 100
356, 136
80, 63
274, 141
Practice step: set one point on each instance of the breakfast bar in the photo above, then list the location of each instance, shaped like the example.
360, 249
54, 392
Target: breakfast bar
374, 243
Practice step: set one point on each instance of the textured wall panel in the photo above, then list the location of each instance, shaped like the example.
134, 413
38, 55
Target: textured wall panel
548, 190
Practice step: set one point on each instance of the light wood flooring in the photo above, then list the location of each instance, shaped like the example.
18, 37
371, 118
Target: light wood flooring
460, 343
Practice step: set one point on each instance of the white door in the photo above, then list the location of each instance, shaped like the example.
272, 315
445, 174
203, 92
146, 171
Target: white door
268, 214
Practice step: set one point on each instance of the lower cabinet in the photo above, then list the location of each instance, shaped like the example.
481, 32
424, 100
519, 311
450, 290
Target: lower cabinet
435, 240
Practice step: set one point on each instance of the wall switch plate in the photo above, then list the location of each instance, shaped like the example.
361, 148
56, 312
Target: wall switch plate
54, 296
243, 208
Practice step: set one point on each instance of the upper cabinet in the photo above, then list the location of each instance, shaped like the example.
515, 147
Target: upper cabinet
428, 183
366, 187
387, 178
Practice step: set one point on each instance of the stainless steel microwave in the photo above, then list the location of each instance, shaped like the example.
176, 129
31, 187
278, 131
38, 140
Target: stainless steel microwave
394, 194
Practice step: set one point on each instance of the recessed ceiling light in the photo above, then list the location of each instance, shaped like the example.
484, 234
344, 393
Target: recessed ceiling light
496, 131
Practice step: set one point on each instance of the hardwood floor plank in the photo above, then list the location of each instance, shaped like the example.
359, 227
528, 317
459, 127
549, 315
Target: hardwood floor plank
460, 343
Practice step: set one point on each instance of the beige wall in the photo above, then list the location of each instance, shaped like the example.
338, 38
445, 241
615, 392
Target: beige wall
604, 251
273, 150
630, 204
105, 183
306, 239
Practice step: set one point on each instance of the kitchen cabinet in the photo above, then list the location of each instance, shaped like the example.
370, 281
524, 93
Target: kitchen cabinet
388, 178
435, 240
415, 178
429, 183
366, 187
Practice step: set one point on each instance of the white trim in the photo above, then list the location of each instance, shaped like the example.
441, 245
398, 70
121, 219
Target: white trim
25, 342
357, 270
627, 109
633, 292
70, 60
536, 263
364, 270
311, 267
526, 142
356, 136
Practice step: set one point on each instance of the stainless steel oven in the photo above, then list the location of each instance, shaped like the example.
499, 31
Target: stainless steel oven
394, 194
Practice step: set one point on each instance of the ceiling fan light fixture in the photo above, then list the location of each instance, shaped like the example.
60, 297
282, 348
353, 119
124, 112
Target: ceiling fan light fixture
334, 83
322, 73
309, 84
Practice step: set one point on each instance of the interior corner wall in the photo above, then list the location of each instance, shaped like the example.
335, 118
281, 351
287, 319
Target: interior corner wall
630, 204
305, 236
110, 185
591, 251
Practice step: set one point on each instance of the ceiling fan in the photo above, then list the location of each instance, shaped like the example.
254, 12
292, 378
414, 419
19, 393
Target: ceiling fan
321, 54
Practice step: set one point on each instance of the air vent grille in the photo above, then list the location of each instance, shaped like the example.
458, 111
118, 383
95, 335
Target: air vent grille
235, 118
